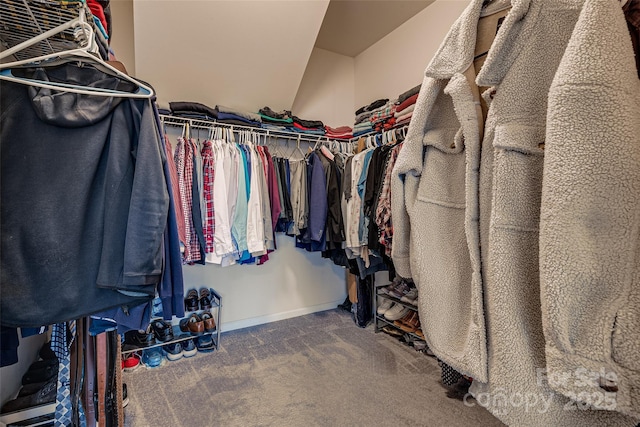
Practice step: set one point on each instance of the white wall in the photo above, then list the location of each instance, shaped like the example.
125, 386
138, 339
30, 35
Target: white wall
327, 89
397, 62
122, 40
240, 54
292, 283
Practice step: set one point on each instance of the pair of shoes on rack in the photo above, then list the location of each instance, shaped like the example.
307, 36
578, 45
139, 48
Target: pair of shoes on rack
383, 306
131, 362
405, 291
137, 339
198, 324
152, 357
178, 350
409, 323
392, 331
193, 300
162, 330
397, 311
411, 297
205, 343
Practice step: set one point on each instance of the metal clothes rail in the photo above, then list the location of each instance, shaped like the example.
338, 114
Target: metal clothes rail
301, 137
208, 124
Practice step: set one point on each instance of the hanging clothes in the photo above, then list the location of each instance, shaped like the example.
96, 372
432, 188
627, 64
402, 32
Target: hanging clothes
474, 206
106, 209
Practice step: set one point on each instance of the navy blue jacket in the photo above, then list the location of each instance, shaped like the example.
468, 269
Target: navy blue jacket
84, 200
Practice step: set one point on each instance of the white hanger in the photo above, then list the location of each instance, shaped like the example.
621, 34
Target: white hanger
298, 149
84, 52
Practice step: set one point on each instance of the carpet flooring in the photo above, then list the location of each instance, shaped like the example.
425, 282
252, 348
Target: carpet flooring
314, 370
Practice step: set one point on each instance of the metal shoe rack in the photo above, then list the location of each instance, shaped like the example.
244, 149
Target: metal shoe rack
216, 310
381, 321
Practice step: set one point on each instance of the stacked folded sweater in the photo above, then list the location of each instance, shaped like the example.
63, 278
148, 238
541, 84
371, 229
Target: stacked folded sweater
237, 117
192, 110
363, 123
282, 120
342, 132
382, 118
405, 105
313, 127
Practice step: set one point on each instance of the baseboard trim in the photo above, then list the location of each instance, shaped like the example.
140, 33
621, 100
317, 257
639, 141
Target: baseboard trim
261, 320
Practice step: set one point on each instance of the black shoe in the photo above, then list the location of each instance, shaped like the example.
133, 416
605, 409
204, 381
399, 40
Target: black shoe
459, 390
46, 394
125, 395
46, 353
41, 374
205, 299
346, 305
191, 300
162, 330
136, 339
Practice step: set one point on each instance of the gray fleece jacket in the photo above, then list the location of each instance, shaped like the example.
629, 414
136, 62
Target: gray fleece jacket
466, 211
590, 218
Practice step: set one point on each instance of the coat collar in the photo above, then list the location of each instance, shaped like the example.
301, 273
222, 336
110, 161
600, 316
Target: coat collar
456, 53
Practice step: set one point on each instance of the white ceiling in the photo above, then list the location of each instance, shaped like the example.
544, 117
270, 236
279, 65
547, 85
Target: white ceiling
351, 26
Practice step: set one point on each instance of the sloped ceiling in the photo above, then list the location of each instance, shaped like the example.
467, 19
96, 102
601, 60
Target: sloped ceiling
237, 53
351, 26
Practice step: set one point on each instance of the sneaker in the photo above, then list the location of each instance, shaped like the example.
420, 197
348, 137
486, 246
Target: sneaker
189, 348
419, 345
397, 311
410, 297
173, 351
392, 331
152, 358
384, 306
389, 287
162, 330
125, 396
399, 291
204, 343
131, 362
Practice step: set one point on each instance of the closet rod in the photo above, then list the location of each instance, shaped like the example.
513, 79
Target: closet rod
206, 124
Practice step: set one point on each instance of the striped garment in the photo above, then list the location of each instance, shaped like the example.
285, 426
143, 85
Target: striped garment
208, 166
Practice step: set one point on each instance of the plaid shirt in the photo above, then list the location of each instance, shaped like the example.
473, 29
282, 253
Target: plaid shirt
208, 166
194, 245
179, 159
184, 165
383, 212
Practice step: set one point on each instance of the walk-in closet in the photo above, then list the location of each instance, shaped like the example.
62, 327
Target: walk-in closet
320, 213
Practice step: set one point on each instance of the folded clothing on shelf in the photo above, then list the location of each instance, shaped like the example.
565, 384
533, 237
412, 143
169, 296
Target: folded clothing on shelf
403, 117
252, 117
234, 119
375, 104
309, 124
185, 107
382, 113
405, 111
408, 94
281, 115
407, 103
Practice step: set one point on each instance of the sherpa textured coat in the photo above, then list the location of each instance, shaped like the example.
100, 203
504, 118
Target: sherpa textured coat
466, 213
590, 218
